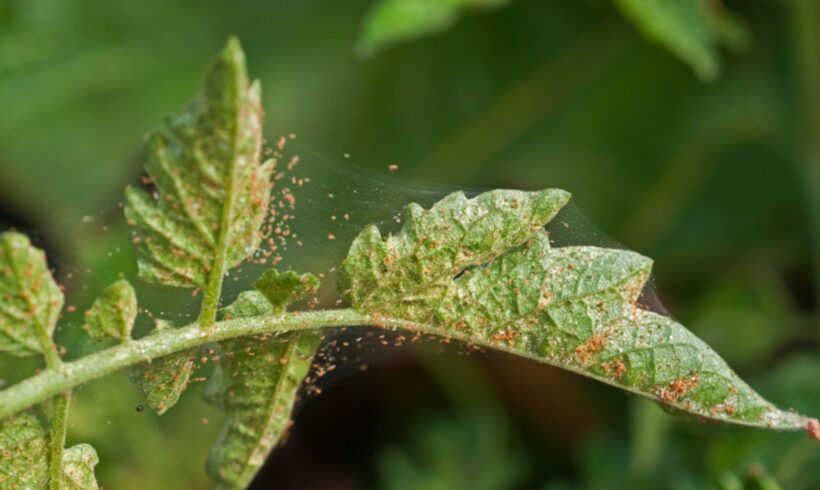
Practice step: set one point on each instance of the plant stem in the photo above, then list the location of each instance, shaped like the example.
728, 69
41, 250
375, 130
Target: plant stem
56, 440
50, 382
53, 361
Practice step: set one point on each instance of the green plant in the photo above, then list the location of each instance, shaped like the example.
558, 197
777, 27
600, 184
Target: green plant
691, 29
480, 270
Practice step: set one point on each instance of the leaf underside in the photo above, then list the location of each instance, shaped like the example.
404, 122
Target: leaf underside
78, 468
260, 382
23, 452
113, 312
572, 307
163, 380
30, 300
258, 379
212, 191
24, 457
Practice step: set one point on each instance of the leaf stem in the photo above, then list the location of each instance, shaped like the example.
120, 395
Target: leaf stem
50, 382
49, 348
213, 289
60, 405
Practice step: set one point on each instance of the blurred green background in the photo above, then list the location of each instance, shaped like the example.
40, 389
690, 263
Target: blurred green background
685, 131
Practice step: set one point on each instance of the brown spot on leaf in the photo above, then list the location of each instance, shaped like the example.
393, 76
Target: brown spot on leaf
592, 346
679, 387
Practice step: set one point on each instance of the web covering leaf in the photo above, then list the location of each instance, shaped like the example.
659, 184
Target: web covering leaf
572, 307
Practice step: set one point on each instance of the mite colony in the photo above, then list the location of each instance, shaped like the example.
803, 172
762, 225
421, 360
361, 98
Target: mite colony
276, 231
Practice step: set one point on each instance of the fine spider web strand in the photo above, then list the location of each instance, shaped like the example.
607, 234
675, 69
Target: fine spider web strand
327, 201
335, 200
367, 194
571, 227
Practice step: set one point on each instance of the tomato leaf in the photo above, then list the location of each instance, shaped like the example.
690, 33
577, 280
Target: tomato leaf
163, 380
78, 468
212, 189
30, 300
23, 452
113, 312
572, 307
258, 380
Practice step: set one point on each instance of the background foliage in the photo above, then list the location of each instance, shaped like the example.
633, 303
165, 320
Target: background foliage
709, 167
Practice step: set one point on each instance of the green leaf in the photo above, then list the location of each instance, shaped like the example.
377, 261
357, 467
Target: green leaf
261, 379
392, 21
212, 190
257, 380
23, 452
248, 303
691, 29
163, 380
283, 288
78, 468
572, 307
474, 449
113, 312
435, 245
30, 300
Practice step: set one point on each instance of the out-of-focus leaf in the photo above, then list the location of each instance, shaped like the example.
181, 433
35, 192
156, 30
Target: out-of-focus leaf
163, 380
78, 468
391, 21
113, 312
691, 29
30, 300
475, 450
744, 318
571, 307
212, 189
23, 452
258, 379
